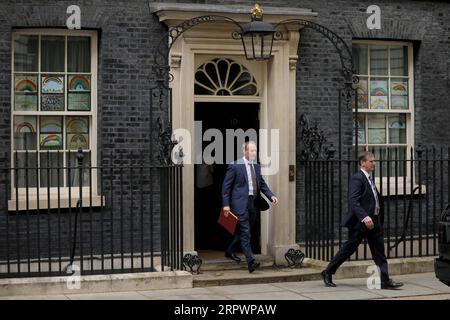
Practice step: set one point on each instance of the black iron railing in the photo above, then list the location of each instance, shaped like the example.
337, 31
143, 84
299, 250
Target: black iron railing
121, 216
414, 185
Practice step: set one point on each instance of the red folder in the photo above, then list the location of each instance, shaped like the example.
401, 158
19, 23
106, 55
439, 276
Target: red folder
229, 222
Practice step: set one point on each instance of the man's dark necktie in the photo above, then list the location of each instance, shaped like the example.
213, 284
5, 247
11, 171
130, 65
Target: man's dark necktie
374, 188
252, 173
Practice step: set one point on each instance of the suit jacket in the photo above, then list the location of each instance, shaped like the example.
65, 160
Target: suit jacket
235, 187
361, 201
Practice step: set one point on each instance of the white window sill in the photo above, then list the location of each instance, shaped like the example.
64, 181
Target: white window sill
399, 191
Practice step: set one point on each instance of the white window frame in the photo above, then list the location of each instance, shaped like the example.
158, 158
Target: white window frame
19, 195
408, 112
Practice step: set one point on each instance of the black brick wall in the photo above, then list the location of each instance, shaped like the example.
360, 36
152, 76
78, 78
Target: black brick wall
128, 34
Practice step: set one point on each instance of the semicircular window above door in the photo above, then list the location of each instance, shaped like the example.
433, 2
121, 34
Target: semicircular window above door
224, 77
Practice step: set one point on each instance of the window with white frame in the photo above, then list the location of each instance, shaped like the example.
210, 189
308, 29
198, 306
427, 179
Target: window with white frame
53, 105
384, 96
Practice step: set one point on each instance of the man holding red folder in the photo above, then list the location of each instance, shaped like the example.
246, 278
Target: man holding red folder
241, 186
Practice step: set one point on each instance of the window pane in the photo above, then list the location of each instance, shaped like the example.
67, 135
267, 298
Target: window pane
25, 166
376, 128
52, 89
79, 54
26, 53
399, 94
397, 128
25, 133
50, 135
362, 93
379, 60
380, 164
74, 176
399, 60
25, 92
49, 173
79, 96
77, 129
361, 130
52, 54
379, 94
360, 55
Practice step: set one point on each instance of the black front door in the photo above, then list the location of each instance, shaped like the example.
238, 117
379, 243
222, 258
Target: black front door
209, 235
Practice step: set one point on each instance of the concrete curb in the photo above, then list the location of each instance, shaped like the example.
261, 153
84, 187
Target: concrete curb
359, 269
96, 283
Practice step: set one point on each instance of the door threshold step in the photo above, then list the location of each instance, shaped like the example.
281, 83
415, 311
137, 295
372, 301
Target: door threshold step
268, 275
222, 264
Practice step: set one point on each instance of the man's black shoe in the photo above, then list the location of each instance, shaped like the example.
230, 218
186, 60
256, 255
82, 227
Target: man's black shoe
252, 266
327, 279
391, 285
232, 256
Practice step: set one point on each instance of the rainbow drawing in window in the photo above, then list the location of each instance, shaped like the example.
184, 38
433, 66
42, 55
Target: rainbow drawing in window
378, 87
52, 84
378, 102
25, 84
50, 140
79, 84
25, 127
77, 125
76, 141
51, 125
399, 88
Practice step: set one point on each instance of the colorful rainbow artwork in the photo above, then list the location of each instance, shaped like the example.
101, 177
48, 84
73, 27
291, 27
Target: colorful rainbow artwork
25, 84
399, 88
50, 140
51, 125
78, 141
378, 103
378, 88
77, 125
25, 127
52, 84
79, 83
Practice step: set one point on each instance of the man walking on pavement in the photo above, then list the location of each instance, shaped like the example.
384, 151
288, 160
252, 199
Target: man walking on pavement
364, 220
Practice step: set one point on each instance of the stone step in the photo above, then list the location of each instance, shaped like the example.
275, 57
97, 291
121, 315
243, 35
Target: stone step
223, 264
267, 275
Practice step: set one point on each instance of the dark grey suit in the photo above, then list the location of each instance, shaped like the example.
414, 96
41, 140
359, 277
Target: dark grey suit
361, 203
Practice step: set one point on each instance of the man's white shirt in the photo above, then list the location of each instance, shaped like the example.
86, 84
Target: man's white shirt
249, 176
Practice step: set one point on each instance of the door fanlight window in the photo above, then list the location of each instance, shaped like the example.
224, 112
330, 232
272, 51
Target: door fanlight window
224, 77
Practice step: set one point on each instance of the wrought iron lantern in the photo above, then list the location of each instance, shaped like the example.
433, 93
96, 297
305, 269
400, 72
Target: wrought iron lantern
257, 36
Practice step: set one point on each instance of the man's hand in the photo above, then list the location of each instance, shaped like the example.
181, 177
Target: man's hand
274, 200
226, 211
369, 223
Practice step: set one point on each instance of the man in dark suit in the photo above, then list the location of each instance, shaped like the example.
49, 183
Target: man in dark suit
364, 220
241, 186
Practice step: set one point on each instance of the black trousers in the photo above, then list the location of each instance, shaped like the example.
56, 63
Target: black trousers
376, 245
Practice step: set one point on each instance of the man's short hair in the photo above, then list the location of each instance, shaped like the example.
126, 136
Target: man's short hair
245, 145
365, 156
